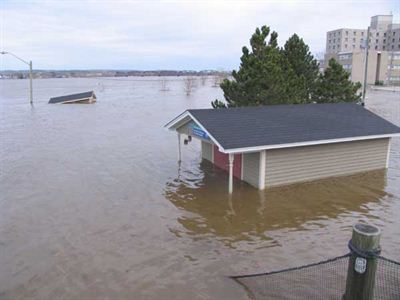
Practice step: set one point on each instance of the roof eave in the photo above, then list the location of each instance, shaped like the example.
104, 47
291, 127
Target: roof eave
308, 143
170, 125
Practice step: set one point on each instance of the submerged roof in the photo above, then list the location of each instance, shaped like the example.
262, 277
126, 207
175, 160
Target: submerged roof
266, 127
79, 96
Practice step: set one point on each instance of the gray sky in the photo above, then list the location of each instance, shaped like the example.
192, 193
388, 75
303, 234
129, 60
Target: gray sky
164, 34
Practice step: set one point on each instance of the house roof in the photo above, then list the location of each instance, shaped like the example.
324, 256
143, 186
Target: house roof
266, 127
79, 96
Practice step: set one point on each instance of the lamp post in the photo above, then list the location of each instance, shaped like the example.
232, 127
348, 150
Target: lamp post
30, 73
365, 68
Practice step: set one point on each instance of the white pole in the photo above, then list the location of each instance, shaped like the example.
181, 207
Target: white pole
231, 158
179, 147
30, 83
365, 81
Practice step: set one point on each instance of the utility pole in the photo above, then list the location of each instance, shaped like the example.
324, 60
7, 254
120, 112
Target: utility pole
30, 83
365, 68
30, 73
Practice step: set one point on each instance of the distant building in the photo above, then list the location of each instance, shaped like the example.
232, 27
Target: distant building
347, 46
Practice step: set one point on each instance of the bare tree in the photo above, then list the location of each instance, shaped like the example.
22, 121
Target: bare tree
203, 79
218, 78
189, 84
164, 85
101, 86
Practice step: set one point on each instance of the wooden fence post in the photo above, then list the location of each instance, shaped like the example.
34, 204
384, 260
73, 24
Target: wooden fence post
364, 246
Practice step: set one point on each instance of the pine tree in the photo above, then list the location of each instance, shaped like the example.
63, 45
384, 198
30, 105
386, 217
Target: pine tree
298, 55
264, 77
334, 85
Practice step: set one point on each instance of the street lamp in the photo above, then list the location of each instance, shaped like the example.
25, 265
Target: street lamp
30, 73
365, 79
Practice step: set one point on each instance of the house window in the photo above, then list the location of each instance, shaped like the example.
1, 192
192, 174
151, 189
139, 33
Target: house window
393, 40
346, 39
384, 34
354, 46
383, 48
362, 33
376, 41
347, 33
377, 34
354, 40
376, 47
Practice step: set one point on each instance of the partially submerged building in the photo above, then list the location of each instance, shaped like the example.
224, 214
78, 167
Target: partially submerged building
86, 97
283, 144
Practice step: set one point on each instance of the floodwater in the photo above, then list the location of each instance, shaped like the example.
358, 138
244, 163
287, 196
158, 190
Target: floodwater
93, 204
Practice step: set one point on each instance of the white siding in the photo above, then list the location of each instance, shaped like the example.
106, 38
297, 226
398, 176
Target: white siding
290, 165
251, 169
207, 151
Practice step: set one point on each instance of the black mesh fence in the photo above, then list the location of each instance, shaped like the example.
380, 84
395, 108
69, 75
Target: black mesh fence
323, 280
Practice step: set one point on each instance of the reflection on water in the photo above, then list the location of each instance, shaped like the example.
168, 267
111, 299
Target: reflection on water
248, 214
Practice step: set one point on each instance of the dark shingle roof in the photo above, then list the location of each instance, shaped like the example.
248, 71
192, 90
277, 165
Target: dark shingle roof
71, 97
281, 124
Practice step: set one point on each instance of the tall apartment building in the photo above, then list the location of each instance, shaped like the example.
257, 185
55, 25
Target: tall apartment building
347, 46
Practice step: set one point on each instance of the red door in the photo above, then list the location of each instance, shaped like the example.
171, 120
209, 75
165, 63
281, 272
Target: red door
221, 160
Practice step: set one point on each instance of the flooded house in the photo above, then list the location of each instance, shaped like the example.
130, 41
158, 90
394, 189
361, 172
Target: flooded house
283, 144
86, 97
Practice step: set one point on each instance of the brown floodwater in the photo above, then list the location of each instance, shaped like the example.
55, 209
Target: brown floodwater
93, 204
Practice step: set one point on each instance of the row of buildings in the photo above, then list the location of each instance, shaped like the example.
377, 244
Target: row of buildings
348, 47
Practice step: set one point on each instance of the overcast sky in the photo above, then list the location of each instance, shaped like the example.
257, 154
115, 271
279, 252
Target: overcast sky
148, 35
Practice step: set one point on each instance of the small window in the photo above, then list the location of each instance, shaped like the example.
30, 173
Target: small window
384, 34
354, 40
393, 40
346, 39
377, 34
392, 46
354, 46
345, 45
384, 41
383, 48
362, 33
355, 32
347, 33
376, 47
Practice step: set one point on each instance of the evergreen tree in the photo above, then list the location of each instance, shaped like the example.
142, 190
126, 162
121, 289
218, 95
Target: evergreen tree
264, 77
334, 85
300, 59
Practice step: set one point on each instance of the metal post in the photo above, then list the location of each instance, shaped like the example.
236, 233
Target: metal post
365, 68
364, 246
30, 83
231, 158
179, 147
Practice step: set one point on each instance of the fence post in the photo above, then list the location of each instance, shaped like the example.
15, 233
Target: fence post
364, 246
